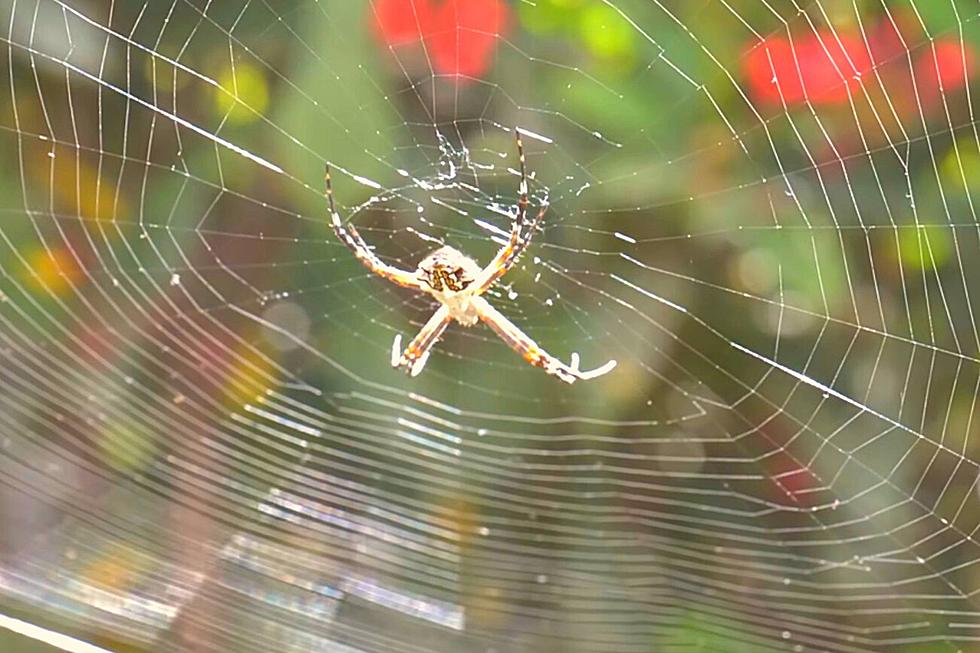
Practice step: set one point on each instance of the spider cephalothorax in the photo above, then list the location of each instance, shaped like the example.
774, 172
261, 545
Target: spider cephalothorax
458, 282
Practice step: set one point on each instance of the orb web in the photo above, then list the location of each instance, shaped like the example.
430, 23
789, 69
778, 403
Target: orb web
763, 211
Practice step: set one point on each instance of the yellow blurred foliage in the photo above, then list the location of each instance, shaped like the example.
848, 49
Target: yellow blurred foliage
127, 446
607, 34
247, 376
114, 569
52, 270
960, 168
926, 247
243, 94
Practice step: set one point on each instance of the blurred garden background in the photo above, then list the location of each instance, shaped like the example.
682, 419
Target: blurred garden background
763, 210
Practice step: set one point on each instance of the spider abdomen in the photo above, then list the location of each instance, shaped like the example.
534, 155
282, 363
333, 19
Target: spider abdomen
460, 307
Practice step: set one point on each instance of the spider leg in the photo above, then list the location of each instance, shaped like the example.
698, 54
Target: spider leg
349, 236
508, 255
532, 353
518, 241
522, 189
415, 356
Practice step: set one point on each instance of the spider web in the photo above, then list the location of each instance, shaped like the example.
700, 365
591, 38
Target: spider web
763, 210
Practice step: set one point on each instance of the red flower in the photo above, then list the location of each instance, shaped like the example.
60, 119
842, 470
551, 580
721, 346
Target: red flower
946, 68
888, 38
460, 35
821, 67
464, 35
402, 21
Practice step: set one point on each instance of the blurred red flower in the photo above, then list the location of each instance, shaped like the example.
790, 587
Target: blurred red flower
821, 67
402, 21
825, 66
460, 36
944, 67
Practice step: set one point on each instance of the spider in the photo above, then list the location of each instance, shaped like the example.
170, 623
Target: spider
458, 282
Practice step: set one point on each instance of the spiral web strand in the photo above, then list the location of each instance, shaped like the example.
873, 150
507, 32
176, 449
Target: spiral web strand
764, 211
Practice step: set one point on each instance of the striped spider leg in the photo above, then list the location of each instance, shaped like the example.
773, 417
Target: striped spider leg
532, 353
457, 282
348, 235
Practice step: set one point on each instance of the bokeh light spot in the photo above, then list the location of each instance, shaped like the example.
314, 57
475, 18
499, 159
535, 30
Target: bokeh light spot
52, 270
243, 95
606, 33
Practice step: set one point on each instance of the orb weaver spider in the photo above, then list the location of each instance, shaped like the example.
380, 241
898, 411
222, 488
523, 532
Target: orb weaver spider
458, 282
